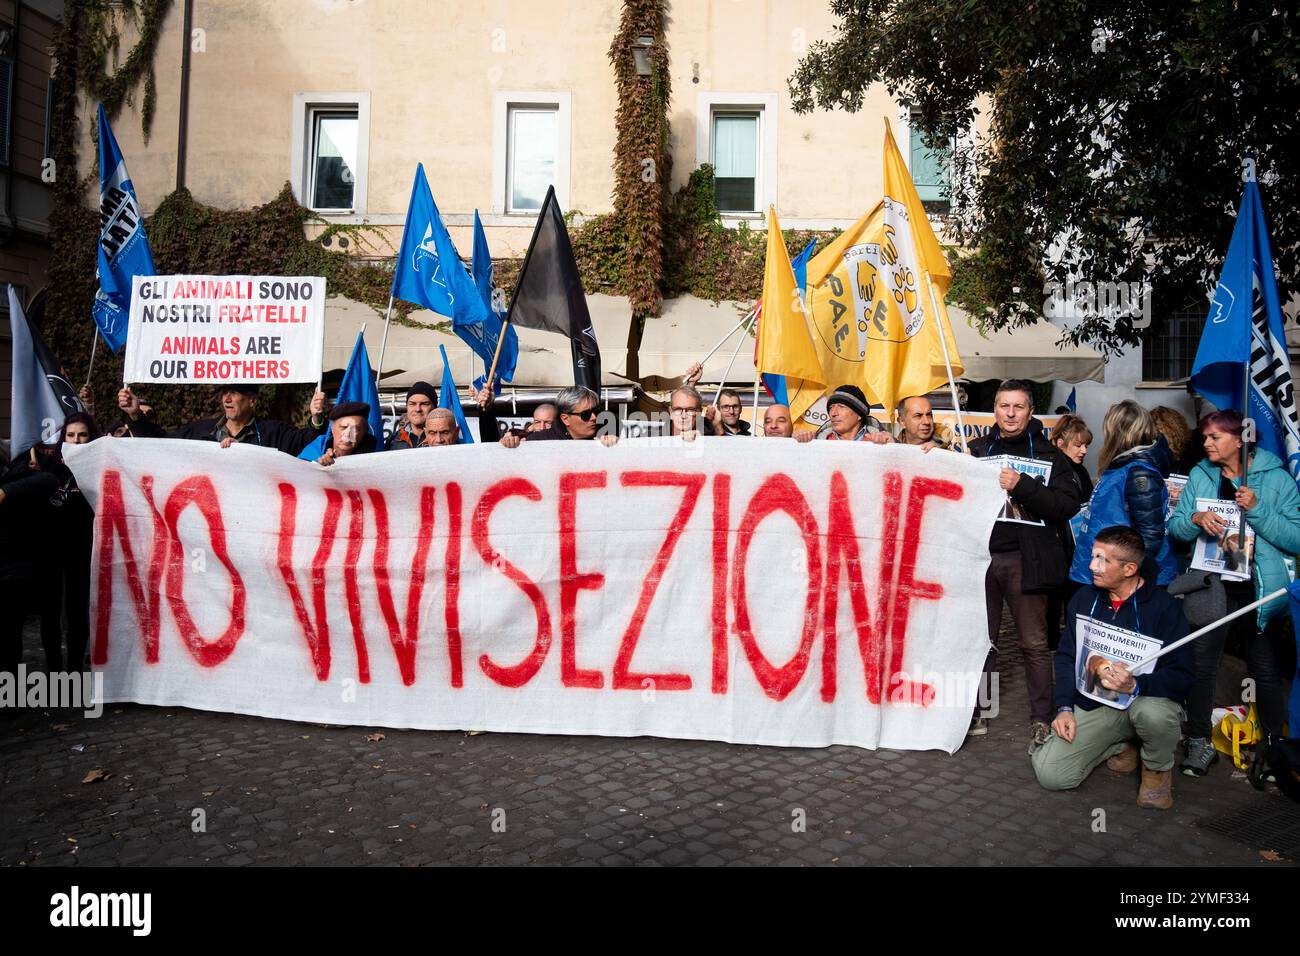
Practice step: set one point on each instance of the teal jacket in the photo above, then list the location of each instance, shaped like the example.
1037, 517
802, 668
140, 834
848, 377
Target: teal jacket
1275, 521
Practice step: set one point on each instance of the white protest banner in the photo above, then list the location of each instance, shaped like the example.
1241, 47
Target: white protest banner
206, 330
1098, 646
755, 592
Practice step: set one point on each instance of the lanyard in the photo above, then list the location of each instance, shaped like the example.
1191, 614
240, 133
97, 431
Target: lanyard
999, 438
1115, 613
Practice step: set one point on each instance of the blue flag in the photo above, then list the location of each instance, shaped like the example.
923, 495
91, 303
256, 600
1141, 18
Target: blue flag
1244, 330
481, 269
775, 384
448, 397
429, 272
358, 386
1072, 402
123, 248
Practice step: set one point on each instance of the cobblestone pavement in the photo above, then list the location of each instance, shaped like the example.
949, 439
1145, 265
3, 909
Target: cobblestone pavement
274, 791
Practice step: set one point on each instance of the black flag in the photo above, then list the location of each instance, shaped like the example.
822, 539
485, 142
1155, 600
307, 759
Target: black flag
549, 296
63, 388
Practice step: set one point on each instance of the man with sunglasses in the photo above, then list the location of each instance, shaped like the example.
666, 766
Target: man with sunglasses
576, 420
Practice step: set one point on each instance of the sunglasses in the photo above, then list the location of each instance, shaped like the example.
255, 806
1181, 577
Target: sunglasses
586, 414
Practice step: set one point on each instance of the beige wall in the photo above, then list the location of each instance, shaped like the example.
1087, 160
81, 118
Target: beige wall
431, 69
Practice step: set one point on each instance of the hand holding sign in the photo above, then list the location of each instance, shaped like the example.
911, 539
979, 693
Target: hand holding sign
1115, 676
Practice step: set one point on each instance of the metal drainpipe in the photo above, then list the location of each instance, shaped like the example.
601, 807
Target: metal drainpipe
182, 133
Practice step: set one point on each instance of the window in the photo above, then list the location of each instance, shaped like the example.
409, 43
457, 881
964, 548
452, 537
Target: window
929, 168
533, 146
736, 134
530, 150
735, 161
333, 159
330, 151
1169, 348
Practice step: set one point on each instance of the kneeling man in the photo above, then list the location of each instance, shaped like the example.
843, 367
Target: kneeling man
1086, 731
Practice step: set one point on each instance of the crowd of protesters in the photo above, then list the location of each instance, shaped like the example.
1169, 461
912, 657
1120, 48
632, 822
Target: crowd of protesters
1113, 551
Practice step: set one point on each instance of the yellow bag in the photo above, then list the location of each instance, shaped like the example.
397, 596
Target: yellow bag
1236, 728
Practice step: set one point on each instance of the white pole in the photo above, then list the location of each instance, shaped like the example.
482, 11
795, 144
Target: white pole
1210, 627
943, 342
747, 321
94, 344
758, 378
383, 343
722, 341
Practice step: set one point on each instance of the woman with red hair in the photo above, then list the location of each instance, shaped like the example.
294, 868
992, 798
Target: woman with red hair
1270, 505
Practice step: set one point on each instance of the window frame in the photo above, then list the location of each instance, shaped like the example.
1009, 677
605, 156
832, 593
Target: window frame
933, 207
722, 111
504, 101
708, 104
306, 108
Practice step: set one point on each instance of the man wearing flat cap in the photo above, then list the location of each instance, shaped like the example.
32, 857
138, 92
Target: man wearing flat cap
349, 432
851, 418
238, 423
421, 399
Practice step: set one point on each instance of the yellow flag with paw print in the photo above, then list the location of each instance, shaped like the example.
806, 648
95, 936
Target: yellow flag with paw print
873, 318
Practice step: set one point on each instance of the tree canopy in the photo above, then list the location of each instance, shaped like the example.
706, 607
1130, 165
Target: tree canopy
1115, 135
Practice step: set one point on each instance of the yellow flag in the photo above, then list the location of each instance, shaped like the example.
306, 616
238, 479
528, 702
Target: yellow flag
873, 318
785, 345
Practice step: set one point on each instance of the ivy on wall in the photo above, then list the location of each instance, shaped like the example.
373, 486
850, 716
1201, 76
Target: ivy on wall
101, 42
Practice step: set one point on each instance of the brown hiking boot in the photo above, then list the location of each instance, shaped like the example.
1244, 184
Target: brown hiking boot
1157, 789
1126, 761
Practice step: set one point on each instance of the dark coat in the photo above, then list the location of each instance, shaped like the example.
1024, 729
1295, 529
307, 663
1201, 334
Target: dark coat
24, 518
1157, 615
1044, 561
267, 432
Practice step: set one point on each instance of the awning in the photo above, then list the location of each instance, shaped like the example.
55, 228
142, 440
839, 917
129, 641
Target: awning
670, 343
1030, 352
544, 357
689, 327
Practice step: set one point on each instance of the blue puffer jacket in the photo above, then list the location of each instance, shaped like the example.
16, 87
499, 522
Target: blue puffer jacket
1131, 492
1275, 520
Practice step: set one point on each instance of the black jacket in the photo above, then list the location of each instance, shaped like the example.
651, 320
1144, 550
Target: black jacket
267, 432
1044, 561
1157, 615
24, 521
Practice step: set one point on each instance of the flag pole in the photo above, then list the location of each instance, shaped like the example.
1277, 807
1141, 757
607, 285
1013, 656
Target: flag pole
746, 322
94, 344
1210, 627
947, 362
734, 329
383, 343
758, 378
1245, 451
501, 337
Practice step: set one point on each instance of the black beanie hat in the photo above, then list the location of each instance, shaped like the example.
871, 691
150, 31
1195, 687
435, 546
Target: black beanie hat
852, 397
423, 388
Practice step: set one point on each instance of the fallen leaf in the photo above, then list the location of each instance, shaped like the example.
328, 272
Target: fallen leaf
72, 839
1271, 855
94, 775
59, 727
474, 733
374, 738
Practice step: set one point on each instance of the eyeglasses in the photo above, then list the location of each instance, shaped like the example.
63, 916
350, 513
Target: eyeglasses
587, 414
686, 411
730, 408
